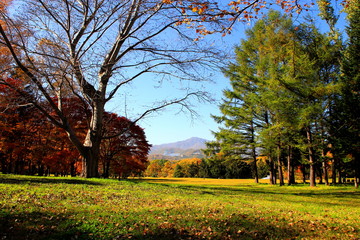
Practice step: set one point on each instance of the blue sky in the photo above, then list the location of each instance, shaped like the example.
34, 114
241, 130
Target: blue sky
170, 125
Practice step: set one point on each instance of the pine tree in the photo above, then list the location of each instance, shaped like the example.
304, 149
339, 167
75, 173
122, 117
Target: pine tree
245, 109
350, 91
277, 95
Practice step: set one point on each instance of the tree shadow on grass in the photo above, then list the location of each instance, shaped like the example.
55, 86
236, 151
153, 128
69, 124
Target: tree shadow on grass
39, 226
297, 190
236, 226
154, 180
274, 193
21, 179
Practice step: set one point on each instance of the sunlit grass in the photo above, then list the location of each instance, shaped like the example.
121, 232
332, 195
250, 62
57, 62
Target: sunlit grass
202, 181
74, 208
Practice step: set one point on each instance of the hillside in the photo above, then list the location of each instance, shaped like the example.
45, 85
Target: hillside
177, 150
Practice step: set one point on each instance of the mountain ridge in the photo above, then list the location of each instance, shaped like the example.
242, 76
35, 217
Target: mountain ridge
186, 148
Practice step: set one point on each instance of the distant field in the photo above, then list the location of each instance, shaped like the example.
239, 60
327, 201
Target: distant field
200, 181
150, 208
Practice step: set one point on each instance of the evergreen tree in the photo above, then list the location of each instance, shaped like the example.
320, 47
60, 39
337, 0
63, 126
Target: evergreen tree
277, 95
350, 89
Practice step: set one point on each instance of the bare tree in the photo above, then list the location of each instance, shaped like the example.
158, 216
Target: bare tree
91, 49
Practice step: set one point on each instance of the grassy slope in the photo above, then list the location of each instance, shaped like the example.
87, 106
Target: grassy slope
74, 208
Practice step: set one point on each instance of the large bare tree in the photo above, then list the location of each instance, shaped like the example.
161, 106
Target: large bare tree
91, 49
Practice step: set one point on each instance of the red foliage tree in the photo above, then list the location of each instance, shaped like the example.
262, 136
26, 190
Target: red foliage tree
14, 141
30, 144
124, 149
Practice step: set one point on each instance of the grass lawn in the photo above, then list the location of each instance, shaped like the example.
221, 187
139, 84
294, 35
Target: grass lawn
75, 208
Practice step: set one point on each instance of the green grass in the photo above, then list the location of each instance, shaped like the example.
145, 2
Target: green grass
75, 208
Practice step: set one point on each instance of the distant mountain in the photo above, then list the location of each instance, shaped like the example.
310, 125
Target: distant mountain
191, 143
177, 150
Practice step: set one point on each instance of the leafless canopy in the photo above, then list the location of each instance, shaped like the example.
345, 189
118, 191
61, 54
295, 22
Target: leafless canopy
93, 48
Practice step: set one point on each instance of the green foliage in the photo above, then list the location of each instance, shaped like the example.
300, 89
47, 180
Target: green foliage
284, 87
350, 91
74, 208
179, 171
263, 169
237, 169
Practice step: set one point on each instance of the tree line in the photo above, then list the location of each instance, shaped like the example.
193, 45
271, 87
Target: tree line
294, 99
203, 168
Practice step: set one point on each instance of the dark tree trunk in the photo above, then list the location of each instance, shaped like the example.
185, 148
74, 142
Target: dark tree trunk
325, 168
333, 170
272, 170
320, 174
3, 163
303, 171
339, 175
290, 167
90, 163
311, 158
41, 169
280, 171
90, 150
255, 170
357, 170
72, 169
106, 168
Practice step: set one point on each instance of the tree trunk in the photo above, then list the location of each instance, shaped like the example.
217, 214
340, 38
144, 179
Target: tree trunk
339, 175
303, 171
325, 168
333, 170
311, 158
3, 163
291, 177
106, 167
357, 170
41, 170
255, 166
255, 170
280, 171
72, 169
91, 151
90, 157
320, 174
272, 172
90, 162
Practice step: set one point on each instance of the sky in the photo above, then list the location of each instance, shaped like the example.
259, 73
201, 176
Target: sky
171, 125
